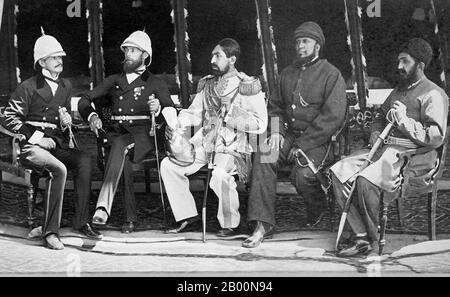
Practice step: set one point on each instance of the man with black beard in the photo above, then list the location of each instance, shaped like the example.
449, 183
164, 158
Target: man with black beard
229, 105
309, 107
133, 95
419, 108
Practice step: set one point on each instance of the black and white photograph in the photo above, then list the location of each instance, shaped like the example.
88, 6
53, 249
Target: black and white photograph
224, 145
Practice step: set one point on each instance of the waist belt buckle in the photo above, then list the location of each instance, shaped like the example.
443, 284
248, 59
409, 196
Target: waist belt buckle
120, 118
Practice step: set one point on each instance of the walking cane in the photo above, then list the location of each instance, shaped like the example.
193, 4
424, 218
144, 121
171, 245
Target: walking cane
391, 119
210, 169
205, 195
152, 132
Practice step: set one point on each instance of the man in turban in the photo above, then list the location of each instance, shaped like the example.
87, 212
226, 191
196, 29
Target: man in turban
306, 110
420, 110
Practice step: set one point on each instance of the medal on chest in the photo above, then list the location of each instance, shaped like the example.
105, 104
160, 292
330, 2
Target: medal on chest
137, 92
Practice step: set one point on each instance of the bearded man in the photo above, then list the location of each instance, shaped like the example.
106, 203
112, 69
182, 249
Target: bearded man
419, 109
133, 95
230, 105
309, 107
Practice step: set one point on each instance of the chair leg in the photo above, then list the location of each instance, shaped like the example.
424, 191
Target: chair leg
400, 211
383, 222
147, 180
432, 199
331, 208
30, 199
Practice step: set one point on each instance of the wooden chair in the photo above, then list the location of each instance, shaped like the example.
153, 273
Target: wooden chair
10, 163
406, 191
339, 148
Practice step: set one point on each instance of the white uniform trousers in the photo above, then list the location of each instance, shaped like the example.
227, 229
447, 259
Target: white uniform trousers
176, 183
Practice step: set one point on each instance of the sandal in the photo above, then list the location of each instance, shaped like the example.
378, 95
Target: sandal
258, 236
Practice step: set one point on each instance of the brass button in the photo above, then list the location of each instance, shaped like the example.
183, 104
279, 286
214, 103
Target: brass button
131, 121
120, 109
121, 97
120, 122
293, 120
132, 110
44, 118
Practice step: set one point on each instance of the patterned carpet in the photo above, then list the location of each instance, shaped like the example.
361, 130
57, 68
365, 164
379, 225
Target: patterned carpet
290, 212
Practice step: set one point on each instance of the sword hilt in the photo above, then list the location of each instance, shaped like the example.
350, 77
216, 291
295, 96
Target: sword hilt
153, 127
72, 142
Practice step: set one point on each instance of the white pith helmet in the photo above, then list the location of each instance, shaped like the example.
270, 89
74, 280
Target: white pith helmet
47, 46
138, 39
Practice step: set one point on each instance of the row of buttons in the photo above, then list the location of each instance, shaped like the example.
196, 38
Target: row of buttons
44, 118
135, 98
120, 110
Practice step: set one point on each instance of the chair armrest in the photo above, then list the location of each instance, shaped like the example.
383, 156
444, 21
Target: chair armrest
15, 147
7, 132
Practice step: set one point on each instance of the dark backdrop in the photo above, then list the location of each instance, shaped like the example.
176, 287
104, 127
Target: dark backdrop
211, 20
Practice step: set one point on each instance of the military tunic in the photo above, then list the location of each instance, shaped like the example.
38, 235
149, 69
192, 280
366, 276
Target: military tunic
308, 108
129, 99
33, 111
425, 126
247, 115
130, 124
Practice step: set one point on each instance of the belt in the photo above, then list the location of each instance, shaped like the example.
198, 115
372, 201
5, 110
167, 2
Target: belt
42, 124
129, 118
405, 142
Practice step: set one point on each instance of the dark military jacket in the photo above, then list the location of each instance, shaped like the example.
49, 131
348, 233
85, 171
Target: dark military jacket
310, 103
129, 100
33, 101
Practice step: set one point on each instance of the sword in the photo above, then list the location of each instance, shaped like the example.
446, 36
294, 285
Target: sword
210, 169
324, 181
366, 163
72, 142
152, 132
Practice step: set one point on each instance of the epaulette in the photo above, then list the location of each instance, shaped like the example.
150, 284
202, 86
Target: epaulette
249, 85
202, 82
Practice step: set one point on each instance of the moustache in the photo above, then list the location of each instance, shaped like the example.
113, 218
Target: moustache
214, 66
125, 60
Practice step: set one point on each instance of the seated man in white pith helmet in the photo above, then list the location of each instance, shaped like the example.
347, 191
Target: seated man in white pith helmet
134, 94
35, 110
